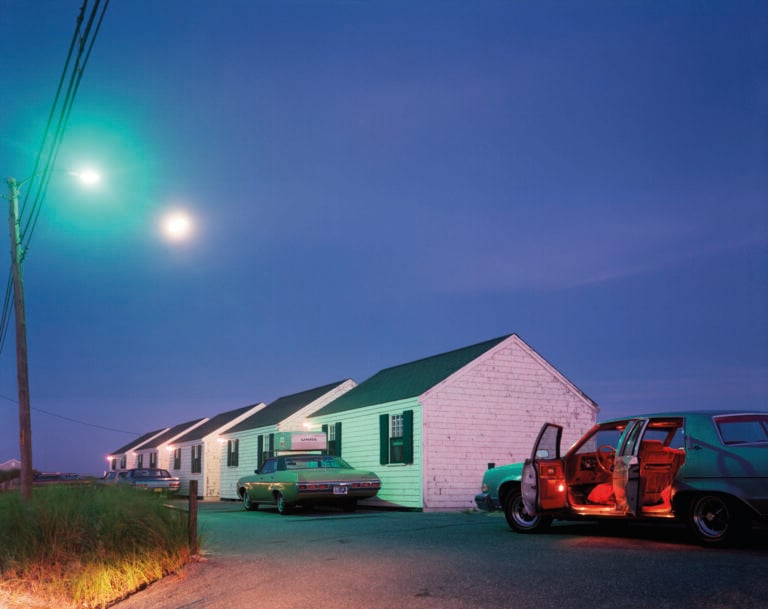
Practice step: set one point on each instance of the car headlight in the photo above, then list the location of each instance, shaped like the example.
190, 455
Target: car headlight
484, 487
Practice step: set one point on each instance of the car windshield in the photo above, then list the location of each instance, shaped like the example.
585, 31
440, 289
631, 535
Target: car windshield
607, 434
315, 462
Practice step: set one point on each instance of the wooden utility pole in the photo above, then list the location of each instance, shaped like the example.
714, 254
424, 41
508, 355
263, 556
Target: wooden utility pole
25, 421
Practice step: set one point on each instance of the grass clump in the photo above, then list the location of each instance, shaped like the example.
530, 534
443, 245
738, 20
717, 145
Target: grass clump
88, 545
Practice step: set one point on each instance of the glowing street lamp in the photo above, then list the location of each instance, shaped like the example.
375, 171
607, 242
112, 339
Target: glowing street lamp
177, 225
88, 176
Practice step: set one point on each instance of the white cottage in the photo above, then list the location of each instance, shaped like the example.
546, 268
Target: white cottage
155, 452
125, 457
196, 455
245, 446
430, 428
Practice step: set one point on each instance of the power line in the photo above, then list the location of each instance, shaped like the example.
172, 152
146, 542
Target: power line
71, 420
84, 43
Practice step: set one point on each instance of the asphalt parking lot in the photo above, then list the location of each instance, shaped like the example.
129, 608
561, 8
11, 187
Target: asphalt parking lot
387, 559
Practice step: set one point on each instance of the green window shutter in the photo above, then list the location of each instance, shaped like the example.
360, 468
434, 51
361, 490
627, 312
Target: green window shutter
408, 436
384, 439
324, 429
259, 452
338, 439
271, 445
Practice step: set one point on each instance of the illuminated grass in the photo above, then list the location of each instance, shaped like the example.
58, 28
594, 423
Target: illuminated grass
88, 545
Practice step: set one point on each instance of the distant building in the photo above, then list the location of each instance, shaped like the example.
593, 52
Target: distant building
10, 464
10, 474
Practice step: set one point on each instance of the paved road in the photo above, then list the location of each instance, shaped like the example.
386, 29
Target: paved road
388, 560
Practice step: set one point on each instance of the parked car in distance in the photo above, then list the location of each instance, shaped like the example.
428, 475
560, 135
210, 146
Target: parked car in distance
150, 478
304, 480
55, 478
706, 469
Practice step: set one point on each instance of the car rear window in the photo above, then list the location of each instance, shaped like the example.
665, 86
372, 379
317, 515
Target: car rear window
743, 428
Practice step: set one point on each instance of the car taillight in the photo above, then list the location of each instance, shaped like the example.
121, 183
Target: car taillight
313, 486
371, 484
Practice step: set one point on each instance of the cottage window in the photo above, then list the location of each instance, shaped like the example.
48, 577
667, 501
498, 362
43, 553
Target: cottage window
196, 459
153, 459
333, 434
396, 438
233, 452
140, 460
113, 465
176, 458
122, 462
265, 448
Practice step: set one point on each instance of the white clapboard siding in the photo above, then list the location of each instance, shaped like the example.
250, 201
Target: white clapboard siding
491, 412
400, 483
248, 458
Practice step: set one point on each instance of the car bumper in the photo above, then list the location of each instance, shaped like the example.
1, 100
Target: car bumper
485, 502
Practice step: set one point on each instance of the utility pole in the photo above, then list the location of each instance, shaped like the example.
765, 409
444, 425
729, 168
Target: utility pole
25, 422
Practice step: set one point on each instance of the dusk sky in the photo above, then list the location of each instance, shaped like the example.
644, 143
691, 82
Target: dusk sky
373, 182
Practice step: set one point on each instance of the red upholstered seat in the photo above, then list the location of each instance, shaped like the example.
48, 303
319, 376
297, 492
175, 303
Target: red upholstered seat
658, 467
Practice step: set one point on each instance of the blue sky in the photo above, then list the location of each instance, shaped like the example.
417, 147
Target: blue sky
376, 182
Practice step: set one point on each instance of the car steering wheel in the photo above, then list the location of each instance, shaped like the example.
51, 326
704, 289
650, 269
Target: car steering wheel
606, 454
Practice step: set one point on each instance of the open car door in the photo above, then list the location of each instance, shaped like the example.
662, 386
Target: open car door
626, 468
543, 483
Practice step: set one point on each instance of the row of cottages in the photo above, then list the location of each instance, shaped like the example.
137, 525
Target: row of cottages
248, 444
188, 450
428, 428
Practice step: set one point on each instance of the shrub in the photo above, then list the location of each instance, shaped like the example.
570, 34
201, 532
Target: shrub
89, 544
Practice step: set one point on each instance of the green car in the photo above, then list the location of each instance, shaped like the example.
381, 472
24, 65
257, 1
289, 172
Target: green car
304, 480
706, 469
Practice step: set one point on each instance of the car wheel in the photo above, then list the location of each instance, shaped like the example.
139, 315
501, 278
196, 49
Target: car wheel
717, 520
519, 519
248, 504
282, 506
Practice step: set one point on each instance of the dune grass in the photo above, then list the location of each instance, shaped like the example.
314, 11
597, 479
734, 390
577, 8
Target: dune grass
88, 545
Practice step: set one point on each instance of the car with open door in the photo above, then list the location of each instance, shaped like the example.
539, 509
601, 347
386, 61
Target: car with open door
707, 469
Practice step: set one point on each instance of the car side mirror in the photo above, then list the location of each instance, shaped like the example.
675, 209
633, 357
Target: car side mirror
255, 471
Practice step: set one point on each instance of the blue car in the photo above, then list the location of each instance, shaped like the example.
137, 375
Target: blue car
706, 469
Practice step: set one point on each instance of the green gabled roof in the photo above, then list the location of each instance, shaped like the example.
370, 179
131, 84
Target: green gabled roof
171, 433
407, 380
213, 424
140, 440
282, 408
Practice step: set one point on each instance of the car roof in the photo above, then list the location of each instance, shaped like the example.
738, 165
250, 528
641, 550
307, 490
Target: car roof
684, 413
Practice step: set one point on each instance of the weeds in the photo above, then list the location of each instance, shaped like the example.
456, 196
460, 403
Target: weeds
88, 544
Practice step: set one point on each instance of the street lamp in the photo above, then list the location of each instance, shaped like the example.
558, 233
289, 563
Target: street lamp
177, 225
87, 176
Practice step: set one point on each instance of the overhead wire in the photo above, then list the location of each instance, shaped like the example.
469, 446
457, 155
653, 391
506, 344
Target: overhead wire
50, 143
5, 319
71, 420
85, 47
48, 150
